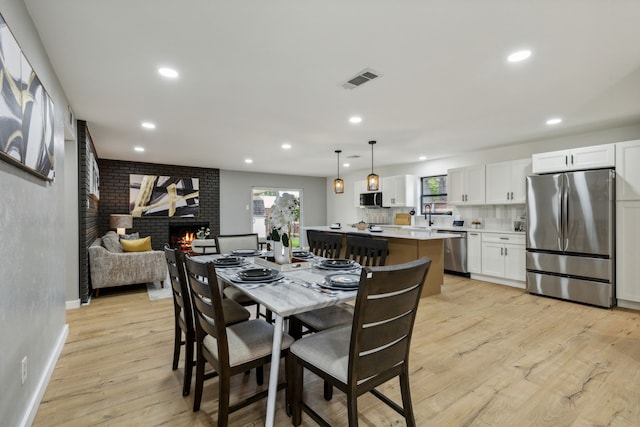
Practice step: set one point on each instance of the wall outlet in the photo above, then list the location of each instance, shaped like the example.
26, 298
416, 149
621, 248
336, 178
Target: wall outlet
24, 369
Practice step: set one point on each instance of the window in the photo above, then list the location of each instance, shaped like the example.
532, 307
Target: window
434, 194
262, 200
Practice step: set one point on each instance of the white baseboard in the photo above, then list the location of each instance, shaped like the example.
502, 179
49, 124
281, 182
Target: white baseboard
499, 281
628, 304
36, 398
69, 305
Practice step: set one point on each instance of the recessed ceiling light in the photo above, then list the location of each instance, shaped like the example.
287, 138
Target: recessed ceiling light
554, 121
355, 120
521, 55
346, 165
139, 149
422, 158
148, 125
286, 146
169, 73
248, 160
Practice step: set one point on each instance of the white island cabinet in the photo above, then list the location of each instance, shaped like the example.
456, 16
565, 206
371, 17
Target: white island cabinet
506, 182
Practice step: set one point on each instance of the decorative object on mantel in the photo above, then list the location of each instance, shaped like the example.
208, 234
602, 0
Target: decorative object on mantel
373, 182
151, 195
203, 233
120, 222
284, 212
338, 184
27, 115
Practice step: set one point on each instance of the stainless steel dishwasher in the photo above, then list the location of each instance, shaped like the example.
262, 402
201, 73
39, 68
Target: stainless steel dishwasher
455, 253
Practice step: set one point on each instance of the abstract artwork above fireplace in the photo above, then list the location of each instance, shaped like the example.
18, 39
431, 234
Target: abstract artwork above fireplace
151, 195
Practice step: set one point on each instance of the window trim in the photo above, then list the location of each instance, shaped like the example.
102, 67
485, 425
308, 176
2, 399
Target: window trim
423, 195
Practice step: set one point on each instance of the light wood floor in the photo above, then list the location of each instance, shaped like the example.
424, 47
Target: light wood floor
482, 355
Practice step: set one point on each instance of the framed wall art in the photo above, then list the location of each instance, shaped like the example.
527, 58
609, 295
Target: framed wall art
94, 177
26, 112
151, 195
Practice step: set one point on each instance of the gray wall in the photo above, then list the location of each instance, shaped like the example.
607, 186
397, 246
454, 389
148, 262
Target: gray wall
32, 250
235, 198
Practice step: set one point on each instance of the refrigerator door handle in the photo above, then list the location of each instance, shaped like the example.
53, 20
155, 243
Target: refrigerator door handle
565, 215
559, 219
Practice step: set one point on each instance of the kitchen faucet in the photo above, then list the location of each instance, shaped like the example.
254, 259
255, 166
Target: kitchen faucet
427, 211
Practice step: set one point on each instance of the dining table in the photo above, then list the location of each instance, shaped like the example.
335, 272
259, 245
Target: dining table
304, 287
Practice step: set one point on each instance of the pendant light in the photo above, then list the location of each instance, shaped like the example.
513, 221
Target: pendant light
372, 179
338, 184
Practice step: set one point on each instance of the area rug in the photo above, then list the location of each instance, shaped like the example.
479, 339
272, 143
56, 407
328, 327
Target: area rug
156, 292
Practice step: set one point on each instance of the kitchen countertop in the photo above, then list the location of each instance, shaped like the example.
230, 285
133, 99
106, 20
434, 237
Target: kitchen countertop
398, 232
452, 228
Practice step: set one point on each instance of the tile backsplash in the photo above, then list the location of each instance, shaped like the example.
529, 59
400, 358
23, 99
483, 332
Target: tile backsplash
495, 217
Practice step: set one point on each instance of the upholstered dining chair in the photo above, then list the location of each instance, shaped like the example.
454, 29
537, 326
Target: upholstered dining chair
324, 244
366, 251
183, 315
226, 244
230, 350
372, 350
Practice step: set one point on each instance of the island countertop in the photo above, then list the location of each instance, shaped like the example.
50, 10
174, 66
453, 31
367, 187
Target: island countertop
406, 245
399, 233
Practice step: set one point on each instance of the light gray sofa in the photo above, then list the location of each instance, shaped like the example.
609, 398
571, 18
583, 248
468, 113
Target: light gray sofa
114, 267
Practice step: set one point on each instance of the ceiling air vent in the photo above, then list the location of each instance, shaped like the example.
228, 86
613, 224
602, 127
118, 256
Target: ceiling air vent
360, 78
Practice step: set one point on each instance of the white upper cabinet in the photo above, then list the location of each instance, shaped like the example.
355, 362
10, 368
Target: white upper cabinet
467, 185
628, 170
399, 191
596, 156
506, 181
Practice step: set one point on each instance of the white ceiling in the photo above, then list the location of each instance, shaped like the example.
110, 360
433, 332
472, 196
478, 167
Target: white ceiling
254, 74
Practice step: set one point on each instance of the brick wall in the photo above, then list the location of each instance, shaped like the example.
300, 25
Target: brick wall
114, 197
87, 207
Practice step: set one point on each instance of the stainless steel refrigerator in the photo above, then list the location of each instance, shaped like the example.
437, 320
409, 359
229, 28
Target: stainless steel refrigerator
570, 236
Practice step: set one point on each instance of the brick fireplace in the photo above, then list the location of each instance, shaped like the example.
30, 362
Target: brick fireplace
182, 234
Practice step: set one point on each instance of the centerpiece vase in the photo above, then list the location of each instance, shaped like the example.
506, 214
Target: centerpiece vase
280, 253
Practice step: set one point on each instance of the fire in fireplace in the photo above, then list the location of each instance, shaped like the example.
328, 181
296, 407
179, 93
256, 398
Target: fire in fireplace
181, 235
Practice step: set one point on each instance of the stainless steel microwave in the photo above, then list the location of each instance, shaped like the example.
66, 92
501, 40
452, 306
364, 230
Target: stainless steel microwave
371, 199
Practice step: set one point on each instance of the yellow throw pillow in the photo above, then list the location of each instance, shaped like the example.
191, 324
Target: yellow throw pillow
136, 245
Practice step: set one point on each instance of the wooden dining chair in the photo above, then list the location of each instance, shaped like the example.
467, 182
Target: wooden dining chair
226, 244
183, 315
230, 350
366, 251
372, 350
324, 244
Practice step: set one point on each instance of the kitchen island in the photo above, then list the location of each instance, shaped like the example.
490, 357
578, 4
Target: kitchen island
407, 245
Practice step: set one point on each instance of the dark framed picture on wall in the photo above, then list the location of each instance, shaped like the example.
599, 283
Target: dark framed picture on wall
26, 112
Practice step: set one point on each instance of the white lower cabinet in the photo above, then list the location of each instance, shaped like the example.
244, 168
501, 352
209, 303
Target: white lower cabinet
474, 252
627, 250
503, 256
